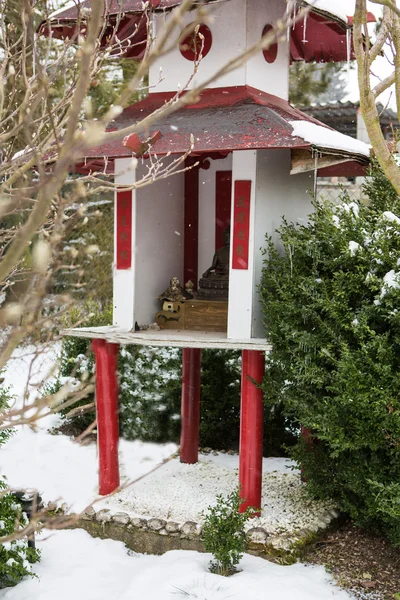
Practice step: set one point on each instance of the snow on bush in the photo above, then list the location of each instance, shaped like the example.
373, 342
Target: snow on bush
331, 312
15, 556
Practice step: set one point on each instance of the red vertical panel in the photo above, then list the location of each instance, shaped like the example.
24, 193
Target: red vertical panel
107, 415
241, 225
191, 220
124, 230
251, 430
223, 194
190, 408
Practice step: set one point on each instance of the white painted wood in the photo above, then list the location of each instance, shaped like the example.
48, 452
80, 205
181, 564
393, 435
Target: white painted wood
241, 282
159, 239
278, 194
167, 337
123, 280
362, 133
234, 28
272, 78
207, 203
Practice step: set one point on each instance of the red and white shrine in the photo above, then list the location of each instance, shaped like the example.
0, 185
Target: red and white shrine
253, 159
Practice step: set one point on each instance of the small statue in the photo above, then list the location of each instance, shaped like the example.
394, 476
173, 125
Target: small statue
189, 290
174, 293
214, 285
220, 263
170, 316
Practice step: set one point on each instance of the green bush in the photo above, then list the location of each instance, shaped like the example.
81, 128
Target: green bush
149, 393
15, 556
331, 312
224, 534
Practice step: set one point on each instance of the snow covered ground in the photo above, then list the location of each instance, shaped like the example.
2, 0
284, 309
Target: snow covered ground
74, 565
58, 468
64, 471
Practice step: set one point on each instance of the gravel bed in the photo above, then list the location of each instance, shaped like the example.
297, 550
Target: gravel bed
178, 492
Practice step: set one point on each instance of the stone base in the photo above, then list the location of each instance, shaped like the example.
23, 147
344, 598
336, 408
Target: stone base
156, 536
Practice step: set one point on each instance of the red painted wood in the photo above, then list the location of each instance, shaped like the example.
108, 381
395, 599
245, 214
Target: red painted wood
241, 225
270, 53
124, 230
190, 409
223, 196
251, 430
192, 45
107, 415
325, 36
191, 223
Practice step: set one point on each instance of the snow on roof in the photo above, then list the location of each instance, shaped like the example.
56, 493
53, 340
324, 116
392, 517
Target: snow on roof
65, 6
328, 138
339, 8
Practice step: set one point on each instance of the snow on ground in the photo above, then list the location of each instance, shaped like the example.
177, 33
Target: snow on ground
64, 471
187, 491
58, 468
74, 565
27, 370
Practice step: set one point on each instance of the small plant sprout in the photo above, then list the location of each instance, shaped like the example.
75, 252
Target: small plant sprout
224, 534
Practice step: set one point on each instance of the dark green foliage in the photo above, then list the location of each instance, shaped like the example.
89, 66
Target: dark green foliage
224, 534
220, 399
150, 385
88, 274
330, 305
15, 556
150, 395
316, 83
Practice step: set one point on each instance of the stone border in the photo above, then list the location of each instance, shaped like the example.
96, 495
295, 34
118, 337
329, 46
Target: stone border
157, 536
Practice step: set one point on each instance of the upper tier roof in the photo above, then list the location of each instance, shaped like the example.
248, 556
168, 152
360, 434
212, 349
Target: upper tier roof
325, 39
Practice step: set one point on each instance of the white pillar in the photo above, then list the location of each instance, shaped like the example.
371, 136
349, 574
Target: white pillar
241, 281
124, 279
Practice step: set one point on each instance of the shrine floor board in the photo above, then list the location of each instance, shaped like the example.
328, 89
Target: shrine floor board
168, 337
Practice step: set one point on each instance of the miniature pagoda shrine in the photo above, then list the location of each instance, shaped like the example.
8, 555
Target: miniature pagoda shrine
188, 248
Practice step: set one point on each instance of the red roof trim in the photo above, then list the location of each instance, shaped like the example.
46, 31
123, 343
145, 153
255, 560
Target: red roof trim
326, 33
224, 120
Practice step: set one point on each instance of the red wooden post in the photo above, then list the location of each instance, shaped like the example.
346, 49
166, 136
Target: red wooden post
107, 415
251, 429
190, 411
191, 222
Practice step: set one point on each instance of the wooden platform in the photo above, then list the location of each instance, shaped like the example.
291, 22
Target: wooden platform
173, 338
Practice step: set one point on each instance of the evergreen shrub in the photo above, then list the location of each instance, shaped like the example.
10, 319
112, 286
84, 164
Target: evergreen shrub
224, 533
331, 311
15, 556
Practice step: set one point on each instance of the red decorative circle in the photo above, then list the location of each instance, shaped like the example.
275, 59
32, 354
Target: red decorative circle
272, 52
195, 41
